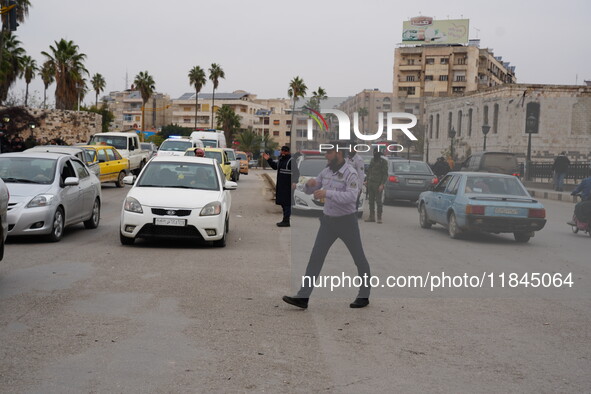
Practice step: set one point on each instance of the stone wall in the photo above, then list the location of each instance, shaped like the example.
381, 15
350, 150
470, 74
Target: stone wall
71, 126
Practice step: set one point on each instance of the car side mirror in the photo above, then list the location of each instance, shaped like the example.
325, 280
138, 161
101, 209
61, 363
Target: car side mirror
129, 179
71, 181
229, 185
131, 147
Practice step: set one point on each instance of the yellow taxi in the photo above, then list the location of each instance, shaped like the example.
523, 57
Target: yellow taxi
219, 155
243, 161
113, 166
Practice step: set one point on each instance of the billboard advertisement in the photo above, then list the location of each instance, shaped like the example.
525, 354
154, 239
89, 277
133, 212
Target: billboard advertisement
424, 30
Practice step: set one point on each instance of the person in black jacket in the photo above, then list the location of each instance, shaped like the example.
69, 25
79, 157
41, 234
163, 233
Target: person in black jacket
283, 187
441, 167
560, 168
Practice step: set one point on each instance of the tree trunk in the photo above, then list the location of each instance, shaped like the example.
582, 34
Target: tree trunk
212, 105
26, 94
44, 98
196, 106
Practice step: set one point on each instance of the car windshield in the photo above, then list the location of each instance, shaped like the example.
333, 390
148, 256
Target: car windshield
210, 143
405, 167
179, 175
27, 170
117, 142
312, 167
214, 155
495, 185
175, 146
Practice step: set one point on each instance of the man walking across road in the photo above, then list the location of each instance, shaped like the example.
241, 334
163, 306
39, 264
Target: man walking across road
283, 189
560, 168
337, 184
377, 175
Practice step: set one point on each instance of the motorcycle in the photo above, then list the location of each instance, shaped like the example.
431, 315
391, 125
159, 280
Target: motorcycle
583, 209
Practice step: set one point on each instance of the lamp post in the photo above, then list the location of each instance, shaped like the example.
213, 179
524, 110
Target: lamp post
485, 130
452, 134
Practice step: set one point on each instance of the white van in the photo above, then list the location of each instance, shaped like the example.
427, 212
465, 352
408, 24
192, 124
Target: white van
211, 138
177, 146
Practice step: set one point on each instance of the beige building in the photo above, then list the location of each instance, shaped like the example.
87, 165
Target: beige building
126, 107
564, 122
373, 101
274, 120
446, 70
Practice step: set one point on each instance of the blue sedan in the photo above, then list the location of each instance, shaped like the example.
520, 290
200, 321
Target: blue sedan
480, 201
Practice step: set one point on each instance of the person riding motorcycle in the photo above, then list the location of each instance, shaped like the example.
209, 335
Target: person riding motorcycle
583, 208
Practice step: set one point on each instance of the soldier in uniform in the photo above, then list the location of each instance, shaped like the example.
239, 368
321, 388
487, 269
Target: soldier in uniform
283, 189
338, 185
377, 175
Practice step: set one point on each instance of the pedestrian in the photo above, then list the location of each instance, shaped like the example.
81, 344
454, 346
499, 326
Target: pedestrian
357, 162
283, 186
451, 163
377, 175
337, 185
441, 167
560, 168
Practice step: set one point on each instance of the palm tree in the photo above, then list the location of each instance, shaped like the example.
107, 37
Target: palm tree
297, 89
215, 73
249, 141
228, 121
145, 84
318, 96
22, 11
47, 75
363, 113
28, 71
98, 84
69, 68
11, 63
197, 79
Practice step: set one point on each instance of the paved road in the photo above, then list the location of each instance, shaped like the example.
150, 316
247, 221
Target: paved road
89, 315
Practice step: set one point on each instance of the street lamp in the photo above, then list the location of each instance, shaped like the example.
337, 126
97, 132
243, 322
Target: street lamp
452, 134
485, 130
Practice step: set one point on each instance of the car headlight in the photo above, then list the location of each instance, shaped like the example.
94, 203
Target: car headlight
211, 209
133, 205
41, 200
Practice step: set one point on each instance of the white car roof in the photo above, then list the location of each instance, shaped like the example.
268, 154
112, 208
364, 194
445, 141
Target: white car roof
183, 159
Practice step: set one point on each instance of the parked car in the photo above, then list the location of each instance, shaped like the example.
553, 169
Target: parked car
243, 158
478, 201
219, 155
178, 197
4, 196
497, 162
149, 147
84, 155
310, 166
407, 179
113, 166
49, 191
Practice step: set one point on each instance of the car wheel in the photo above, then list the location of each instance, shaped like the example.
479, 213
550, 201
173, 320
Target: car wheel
125, 240
119, 181
575, 229
424, 218
220, 243
452, 227
521, 237
57, 227
95, 218
237, 176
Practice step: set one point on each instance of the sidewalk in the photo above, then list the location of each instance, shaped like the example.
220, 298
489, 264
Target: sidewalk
546, 191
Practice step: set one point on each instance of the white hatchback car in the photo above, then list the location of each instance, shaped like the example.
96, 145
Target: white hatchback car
178, 197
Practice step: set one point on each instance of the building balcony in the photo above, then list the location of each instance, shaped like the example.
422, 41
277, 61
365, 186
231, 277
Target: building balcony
410, 67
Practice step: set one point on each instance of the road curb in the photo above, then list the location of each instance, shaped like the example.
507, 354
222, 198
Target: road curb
552, 195
270, 182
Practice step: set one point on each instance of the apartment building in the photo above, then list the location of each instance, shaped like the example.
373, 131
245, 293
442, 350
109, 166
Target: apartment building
274, 120
370, 102
126, 107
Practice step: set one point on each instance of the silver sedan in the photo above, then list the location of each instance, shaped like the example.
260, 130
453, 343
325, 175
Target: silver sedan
49, 191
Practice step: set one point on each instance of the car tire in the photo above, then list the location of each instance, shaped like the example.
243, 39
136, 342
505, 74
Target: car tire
575, 229
452, 227
119, 181
57, 226
125, 240
220, 243
521, 237
95, 218
424, 218
237, 176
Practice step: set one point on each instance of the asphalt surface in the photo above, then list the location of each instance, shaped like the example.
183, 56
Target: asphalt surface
90, 315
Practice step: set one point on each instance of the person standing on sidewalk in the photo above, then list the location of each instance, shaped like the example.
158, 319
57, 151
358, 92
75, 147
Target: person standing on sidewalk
560, 168
337, 185
377, 175
283, 189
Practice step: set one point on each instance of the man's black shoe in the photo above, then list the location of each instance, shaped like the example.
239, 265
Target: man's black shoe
283, 224
299, 302
359, 303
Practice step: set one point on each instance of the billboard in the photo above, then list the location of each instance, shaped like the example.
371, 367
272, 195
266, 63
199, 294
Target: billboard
423, 30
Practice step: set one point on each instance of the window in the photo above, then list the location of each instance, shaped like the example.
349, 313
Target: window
444, 60
276, 122
411, 90
186, 120
275, 133
288, 122
460, 78
428, 77
461, 60
265, 120
458, 89
127, 117
410, 61
410, 78
115, 154
495, 128
80, 169
470, 122
452, 188
437, 127
101, 156
205, 107
485, 112
449, 119
459, 123
430, 126
430, 60
443, 78
187, 109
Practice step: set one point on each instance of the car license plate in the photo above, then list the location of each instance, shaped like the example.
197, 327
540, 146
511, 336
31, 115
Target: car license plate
415, 181
170, 222
507, 211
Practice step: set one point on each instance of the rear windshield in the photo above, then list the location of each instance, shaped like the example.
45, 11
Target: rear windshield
214, 155
312, 168
495, 185
404, 167
210, 143
230, 154
499, 162
241, 156
175, 146
117, 142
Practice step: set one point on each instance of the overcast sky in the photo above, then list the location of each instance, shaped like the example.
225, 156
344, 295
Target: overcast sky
344, 46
